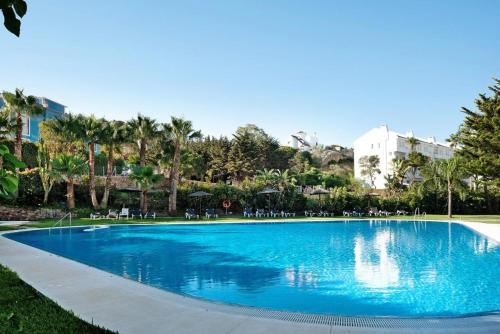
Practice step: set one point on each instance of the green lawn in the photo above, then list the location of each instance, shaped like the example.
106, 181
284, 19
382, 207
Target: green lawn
490, 219
24, 310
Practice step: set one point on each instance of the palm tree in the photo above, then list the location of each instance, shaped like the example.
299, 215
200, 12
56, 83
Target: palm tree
92, 128
68, 130
143, 130
47, 175
266, 176
7, 124
446, 175
20, 104
181, 133
67, 168
413, 142
145, 178
114, 133
284, 179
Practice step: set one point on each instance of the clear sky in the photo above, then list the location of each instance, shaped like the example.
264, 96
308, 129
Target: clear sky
330, 67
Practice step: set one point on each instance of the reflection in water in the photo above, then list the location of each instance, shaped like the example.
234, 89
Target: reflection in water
374, 267
300, 277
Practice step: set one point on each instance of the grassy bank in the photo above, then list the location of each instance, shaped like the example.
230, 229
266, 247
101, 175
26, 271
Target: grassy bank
24, 310
490, 219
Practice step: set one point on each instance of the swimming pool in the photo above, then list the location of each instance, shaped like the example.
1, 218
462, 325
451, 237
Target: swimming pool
352, 268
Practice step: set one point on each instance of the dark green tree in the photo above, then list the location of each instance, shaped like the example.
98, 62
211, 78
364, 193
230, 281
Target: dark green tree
478, 143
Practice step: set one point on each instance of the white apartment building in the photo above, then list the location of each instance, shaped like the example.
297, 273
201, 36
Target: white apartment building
387, 145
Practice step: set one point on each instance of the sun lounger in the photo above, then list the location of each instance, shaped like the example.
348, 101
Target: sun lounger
248, 212
210, 213
136, 213
124, 213
191, 213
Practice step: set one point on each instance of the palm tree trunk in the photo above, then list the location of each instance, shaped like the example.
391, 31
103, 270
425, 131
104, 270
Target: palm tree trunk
18, 146
450, 190
174, 179
145, 202
93, 196
142, 163
142, 153
109, 173
70, 194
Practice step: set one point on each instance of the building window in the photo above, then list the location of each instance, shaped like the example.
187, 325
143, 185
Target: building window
372, 146
378, 145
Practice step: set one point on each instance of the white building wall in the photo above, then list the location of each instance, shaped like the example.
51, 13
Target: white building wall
388, 145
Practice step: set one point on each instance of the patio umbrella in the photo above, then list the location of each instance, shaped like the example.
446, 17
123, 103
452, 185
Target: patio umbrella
268, 192
199, 194
320, 192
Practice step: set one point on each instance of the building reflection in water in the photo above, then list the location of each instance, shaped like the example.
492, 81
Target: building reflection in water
300, 277
374, 267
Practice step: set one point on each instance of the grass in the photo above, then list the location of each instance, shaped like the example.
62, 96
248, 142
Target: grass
24, 310
490, 219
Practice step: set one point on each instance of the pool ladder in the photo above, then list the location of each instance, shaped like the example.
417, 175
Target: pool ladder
60, 221
417, 214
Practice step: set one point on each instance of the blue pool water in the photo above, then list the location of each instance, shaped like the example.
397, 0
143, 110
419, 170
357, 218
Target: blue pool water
342, 268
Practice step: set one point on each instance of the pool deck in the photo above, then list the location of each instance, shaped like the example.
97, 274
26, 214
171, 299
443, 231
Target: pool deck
128, 306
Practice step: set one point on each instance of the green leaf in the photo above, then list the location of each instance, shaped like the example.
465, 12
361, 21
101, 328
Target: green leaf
3, 149
11, 22
21, 7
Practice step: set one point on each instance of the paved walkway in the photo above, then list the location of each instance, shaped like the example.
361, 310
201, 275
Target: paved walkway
131, 307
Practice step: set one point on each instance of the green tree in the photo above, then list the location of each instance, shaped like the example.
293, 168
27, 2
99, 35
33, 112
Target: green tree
218, 152
413, 143
67, 168
143, 129
415, 161
47, 176
266, 176
63, 134
13, 11
370, 167
7, 124
114, 134
478, 143
8, 180
447, 175
92, 134
19, 104
145, 178
181, 133
244, 157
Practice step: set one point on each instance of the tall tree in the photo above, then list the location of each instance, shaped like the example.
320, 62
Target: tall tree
19, 105
370, 167
63, 134
7, 124
47, 176
413, 143
181, 132
114, 134
143, 129
478, 143
445, 175
67, 168
145, 178
92, 129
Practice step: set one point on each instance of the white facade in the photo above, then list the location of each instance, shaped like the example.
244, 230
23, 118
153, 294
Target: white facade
387, 145
302, 141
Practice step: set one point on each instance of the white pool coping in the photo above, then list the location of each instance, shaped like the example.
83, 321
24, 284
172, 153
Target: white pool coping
128, 306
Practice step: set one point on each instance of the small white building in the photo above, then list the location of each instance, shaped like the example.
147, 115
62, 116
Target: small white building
387, 145
302, 141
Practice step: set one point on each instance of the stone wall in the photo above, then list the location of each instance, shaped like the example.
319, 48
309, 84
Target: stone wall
13, 213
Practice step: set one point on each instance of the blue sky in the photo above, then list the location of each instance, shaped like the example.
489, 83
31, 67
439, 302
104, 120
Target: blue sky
334, 68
